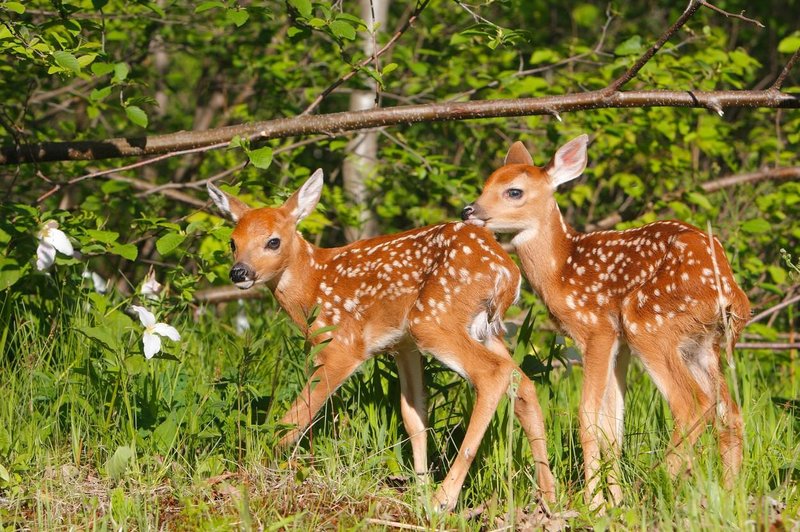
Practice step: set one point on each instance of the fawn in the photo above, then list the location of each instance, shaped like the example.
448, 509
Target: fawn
441, 289
663, 291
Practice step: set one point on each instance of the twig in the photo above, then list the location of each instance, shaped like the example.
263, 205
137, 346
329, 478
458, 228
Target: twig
772, 310
394, 524
785, 72
127, 167
617, 84
223, 294
740, 16
364, 62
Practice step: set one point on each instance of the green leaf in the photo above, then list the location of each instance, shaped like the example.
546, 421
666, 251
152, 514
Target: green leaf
699, 200
16, 7
10, 272
302, 6
126, 251
107, 237
86, 59
391, 67
118, 464
237, 16
100, 336
67, 61
631, 46
4, 476
777, 273
164, 434
756, 226
205, 6
586, 15
261, 158
789, 44
136, 115
101, 69
121, 71
343, 29
99, 94
169, 242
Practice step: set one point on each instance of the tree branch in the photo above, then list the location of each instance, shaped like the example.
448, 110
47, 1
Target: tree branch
335, 124
772, 310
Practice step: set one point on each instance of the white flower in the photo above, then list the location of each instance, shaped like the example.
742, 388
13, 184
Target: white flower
100, 284
51, 239
150, 287
240, 321
152, 331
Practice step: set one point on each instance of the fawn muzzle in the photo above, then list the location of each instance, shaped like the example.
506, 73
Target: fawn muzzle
242, 275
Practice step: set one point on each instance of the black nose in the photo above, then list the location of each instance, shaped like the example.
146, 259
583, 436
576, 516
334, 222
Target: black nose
239, 273
467, 212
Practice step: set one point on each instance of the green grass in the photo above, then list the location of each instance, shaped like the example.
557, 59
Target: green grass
201, 431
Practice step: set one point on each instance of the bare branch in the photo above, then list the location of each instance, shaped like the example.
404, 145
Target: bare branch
772, 310
777, 174
334, 124
364, 62
720, 183
773, 346
222, 294
740, 16
785, 72
617, 84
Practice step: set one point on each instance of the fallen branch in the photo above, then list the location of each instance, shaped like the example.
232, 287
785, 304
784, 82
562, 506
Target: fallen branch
772, 310
335, 124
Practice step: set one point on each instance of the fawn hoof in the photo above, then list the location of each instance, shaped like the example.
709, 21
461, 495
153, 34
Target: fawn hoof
441, 503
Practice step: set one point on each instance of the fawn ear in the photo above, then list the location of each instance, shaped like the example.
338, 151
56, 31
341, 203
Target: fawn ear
569, 161
517, 154
303, 202
231, 206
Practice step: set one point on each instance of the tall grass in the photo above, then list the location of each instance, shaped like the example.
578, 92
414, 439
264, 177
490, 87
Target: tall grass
94, 436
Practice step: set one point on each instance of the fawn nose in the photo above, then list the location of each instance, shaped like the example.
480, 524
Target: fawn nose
468, 211
240, 273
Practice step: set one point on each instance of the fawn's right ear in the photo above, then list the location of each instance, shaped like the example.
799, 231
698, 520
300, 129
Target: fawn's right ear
569, 161
304, 201
517, 154
233, 207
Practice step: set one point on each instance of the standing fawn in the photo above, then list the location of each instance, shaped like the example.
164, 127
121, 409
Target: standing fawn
441, 289
663, 291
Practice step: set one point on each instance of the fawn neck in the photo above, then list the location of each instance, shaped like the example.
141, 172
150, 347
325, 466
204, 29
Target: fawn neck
544, 248
297, 285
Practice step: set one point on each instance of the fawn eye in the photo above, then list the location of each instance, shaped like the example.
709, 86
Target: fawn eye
273, 243
233, 246
514, 193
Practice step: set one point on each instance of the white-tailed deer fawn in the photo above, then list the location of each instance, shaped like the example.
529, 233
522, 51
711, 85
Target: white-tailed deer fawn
664, 290
441, 289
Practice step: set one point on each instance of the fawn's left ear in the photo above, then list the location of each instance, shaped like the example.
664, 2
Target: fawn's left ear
231, 206
569, 161
303, 202
517, 154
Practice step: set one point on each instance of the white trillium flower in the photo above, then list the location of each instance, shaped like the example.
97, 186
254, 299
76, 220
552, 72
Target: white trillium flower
153, 331
150, 287
51, 239
100, 284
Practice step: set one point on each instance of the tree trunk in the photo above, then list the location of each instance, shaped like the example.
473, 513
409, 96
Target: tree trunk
359, 166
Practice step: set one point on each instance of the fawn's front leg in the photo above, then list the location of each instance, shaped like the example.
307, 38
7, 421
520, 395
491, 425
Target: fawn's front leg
333, 365
412, 401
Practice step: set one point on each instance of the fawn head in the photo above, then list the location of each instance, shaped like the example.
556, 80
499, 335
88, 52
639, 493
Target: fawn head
264, 240
518, 193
